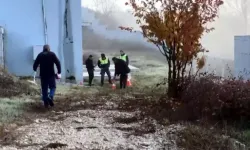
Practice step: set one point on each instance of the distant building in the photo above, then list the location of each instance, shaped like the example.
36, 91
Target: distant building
217, 66
242, 56
29, 24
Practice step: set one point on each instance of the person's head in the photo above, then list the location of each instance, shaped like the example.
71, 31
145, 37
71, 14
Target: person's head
103, 56
90, 57
114, 59
122, 52
46, 48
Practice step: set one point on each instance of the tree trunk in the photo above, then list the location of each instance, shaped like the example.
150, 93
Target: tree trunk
172, 89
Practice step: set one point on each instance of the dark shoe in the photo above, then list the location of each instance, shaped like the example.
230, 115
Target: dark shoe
46, 104
50, 101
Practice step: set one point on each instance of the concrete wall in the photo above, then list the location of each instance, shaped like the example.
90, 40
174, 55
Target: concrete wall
24, 27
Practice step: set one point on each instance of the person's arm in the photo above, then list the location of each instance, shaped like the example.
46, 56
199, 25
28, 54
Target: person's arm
92, 64
58, 64
99, 64
108, 63
127, 60
87, 63
36, 63
115, 73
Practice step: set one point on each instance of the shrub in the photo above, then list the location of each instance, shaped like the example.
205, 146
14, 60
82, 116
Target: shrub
210, 98
12, 86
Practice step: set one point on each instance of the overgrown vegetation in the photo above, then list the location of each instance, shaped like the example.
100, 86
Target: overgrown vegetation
11, 86
12, 100
194, 138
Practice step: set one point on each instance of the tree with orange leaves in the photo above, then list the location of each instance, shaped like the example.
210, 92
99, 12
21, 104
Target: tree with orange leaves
175, 27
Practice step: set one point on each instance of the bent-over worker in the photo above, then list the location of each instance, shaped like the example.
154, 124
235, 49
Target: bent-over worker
122, 70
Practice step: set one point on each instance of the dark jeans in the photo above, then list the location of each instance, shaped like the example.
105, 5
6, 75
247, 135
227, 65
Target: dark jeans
91, 76
123, 80
48, 83
103, 71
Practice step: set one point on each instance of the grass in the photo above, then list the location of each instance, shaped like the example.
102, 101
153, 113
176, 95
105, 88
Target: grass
12, 109
246, 137
243, 136
198, 138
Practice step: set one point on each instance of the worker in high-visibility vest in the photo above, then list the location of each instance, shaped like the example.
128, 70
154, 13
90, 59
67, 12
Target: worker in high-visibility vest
104, 64
124, 57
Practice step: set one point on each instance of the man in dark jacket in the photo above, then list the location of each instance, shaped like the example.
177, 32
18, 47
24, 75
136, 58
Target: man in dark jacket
124, 57
90, 68
122, 69
104, 64
46, 60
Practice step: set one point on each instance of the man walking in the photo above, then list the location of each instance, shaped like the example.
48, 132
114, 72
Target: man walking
104, 64
122, 69
124, 57
90, 68
46, 60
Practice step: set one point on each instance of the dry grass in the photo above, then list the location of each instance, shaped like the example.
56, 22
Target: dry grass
12, 109
198, 138
13, 96
11, 86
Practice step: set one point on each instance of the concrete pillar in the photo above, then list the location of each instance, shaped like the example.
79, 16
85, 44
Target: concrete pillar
76, 25
61, 37
73, 40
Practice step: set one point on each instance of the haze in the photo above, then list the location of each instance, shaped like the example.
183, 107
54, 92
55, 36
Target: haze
220, 42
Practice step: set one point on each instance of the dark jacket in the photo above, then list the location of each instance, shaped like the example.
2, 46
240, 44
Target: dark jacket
127, 60
106, 66
46, 60
89, 64
121, 67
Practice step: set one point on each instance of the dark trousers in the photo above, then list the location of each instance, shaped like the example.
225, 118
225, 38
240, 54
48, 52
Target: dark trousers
48, 83
123, 80
103, 71
91, 76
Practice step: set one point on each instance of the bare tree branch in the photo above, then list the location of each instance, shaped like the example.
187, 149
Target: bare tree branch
106, 7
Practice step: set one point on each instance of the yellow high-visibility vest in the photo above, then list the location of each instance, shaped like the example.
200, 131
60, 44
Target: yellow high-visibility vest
123, 57
105, 61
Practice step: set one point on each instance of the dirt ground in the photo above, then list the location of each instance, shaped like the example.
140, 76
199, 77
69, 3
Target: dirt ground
87, 121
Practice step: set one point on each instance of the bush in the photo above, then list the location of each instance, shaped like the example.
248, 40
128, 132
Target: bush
210, 98
12, 86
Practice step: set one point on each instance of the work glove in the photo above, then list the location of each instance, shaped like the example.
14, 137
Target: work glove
34, 74
34, 77
58, 76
